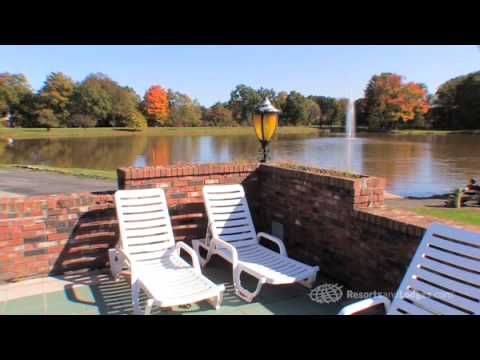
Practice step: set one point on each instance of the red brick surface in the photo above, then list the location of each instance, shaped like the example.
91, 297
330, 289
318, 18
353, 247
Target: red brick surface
55, 234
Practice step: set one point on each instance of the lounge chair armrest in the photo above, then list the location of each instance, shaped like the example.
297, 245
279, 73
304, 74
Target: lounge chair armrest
191, 252
280, 244
125, 254
365, 304
229, 247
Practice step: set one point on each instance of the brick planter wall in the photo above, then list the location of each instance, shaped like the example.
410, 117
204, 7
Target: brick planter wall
183, 187
341, 225
54, 234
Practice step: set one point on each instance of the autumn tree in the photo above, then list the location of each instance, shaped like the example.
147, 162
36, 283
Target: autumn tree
156, 105
137, 121
54, 98
390, 101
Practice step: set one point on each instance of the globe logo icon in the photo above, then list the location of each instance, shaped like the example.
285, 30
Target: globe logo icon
326, 293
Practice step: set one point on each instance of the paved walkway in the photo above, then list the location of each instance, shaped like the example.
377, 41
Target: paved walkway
411, 203
20, 182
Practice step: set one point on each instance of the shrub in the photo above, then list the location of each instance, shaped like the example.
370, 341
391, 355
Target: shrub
82, 120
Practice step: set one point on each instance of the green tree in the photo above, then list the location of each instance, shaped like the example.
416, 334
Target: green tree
468, 102
26, 111
183, 110
82, 121
243, 102
360, 112
328, 107
313, 112
46, 118
295, 112
105, 100
219, 115
56, 95
341, 106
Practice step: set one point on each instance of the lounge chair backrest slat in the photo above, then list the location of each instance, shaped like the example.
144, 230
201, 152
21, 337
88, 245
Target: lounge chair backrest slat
229, 215
444, 275
144, 222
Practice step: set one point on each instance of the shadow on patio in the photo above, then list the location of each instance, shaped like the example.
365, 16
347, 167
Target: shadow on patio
108, 297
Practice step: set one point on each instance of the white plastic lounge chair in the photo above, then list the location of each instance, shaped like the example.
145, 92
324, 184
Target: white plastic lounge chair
443, 277
231, 234
148, 249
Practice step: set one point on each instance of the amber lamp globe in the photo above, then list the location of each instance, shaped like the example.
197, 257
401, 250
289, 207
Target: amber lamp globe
265, 120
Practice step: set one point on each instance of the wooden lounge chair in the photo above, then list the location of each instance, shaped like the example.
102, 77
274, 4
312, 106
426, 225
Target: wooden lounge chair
443, 277
147, 248
231, 235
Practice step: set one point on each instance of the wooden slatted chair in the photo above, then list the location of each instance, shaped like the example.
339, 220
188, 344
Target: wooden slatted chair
443, 277
231, 234
147, 248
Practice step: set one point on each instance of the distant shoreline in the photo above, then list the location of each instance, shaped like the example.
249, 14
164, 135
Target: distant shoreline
41, 133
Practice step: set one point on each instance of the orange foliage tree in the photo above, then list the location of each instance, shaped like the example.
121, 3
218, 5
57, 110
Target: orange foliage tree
389, 100
156, 105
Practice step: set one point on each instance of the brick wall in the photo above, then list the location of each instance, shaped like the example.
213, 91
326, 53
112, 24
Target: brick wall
333, 220
183, 188
54, 234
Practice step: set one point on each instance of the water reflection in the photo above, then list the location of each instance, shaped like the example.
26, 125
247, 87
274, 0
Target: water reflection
412, 165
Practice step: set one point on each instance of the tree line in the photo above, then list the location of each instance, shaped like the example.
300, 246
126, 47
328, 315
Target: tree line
392, 103
389, 102
99, 101
456, 104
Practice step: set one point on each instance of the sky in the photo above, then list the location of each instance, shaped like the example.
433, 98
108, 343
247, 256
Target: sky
210, 73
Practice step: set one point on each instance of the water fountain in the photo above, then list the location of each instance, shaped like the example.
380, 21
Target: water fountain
350, 120
350, 133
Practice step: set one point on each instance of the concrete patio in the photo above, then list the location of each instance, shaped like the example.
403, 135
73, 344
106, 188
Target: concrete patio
96, 294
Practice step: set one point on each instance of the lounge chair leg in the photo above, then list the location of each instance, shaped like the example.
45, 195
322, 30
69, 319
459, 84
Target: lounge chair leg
136, 296
148, 307
203, 261
216, 301
116, 262
243, 293
310, 281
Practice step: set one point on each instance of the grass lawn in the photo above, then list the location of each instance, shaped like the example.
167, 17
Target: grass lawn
89, 173
34, 133
433, 132
469, 216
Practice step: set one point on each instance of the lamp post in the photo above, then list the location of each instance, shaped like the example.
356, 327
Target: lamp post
265, 120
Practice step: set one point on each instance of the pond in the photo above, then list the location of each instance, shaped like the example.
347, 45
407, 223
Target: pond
413, 165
